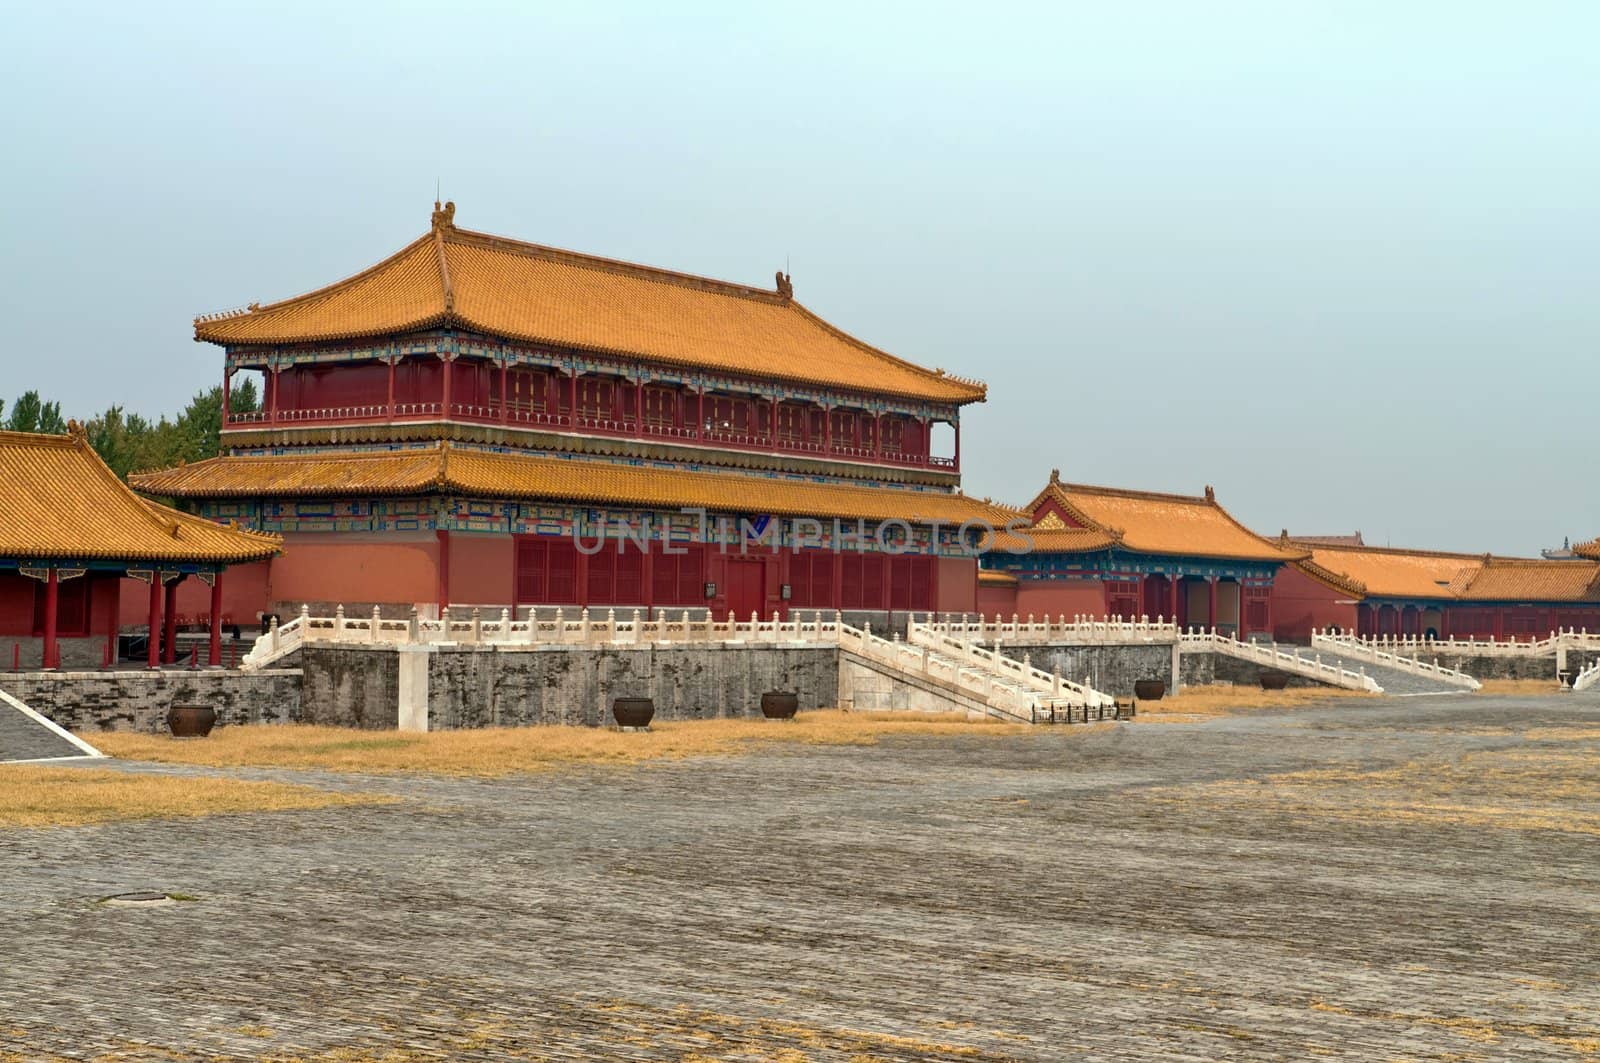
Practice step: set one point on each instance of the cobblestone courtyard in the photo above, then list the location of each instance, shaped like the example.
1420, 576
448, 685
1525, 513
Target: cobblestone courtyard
1399, 879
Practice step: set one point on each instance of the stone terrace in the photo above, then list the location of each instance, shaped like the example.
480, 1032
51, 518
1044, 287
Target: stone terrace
1118, 893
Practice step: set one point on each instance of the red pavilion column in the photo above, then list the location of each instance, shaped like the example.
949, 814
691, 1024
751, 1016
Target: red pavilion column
272, 405
227, 399
877, 436
391, 388
638, 407
827, 430
214, 655
51, 657
957, 426
1173, 581
572, 396
444, 400
1212, 618
155, 619
504, 402
700, 413
169, 630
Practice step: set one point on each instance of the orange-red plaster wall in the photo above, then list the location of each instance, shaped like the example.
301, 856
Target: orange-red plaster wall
956, 582
398, 568
997, 599
481, 569
244, 598
1300, 603
1061, 597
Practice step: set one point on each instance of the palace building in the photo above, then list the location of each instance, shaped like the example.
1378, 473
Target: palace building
477, 421
1384, 591
1101, 551
72, 535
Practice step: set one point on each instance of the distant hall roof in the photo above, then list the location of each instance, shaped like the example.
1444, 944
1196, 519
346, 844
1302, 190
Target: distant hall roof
529, 293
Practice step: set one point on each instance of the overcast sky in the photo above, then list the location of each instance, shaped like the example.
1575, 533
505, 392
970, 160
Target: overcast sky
1339, 259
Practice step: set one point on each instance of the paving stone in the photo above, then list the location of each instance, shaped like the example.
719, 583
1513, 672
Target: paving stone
1042, 897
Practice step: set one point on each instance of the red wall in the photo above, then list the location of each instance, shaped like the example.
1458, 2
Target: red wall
355, 567
1069, 598
482, 567
1300, 603
956, 585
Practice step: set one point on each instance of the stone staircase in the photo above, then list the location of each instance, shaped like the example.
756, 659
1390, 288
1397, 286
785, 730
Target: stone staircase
968, 676
1397, 673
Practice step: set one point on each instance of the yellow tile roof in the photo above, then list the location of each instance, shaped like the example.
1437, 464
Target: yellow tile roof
1051, 540
534, 294
1516, 579
58, 500
1147, 522
1387, 572
520, 476
1590, 549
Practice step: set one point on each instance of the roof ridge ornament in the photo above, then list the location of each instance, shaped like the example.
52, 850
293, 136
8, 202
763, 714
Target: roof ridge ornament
445, 218
785, 285
1211, 493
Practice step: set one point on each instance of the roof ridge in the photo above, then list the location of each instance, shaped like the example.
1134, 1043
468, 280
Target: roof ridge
326, 289
1132, 492
977, 386
1402, 550
80, 441
638, 270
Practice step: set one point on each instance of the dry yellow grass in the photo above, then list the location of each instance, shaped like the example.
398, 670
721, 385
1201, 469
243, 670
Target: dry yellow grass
39, 796
1207, 702
1522, 687
508, 750
1552, 783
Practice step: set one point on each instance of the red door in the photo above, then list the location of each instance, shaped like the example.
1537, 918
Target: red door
746, 586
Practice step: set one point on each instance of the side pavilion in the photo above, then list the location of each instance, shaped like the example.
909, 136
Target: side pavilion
1103, 551
71, 531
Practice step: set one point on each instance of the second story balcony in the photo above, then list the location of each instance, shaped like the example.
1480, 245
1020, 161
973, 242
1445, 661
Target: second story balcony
594, 405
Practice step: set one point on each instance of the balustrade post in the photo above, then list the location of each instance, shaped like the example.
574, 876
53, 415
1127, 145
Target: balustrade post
637, 629
338, 623
477, 626
505, 617
377, 624
272, 633
413, 626
583, 625
561, 625
611, 625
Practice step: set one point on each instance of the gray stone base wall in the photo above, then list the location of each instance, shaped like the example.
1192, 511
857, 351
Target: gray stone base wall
507, 687
1109, 669
1205, 669
349, 686
138, 701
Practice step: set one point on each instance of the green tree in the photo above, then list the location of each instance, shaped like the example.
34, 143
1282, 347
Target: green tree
32, 414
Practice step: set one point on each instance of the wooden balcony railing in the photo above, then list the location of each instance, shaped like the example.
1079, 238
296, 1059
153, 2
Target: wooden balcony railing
584, 423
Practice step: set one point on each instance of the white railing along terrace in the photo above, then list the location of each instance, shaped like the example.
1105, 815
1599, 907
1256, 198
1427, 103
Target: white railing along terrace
1413, 664
1587, 678
1076, 630
1268, 654
1567, 638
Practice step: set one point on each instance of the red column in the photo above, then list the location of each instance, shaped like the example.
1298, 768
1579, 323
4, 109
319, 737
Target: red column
957, 426
169, 636
51, 658
700, 413
1239, 598
227, 399
1173, 581
272, 405
155, 619
1268, 607
1212, 619
444, 402
504, 403
773, 439
444, 571
638, 408
877, 435
572, 395
827, 430
391, 389
214, 658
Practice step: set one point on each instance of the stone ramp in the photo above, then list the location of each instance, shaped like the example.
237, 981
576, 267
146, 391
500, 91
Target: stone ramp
26, 735
1394, 681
